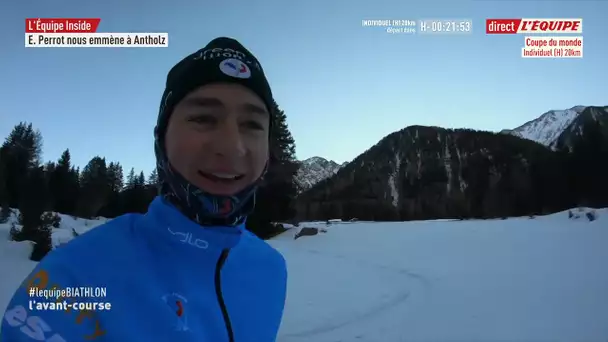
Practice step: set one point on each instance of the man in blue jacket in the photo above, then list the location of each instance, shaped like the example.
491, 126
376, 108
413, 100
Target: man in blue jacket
187, 270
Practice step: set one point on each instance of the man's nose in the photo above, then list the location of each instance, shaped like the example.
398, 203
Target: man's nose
229, 141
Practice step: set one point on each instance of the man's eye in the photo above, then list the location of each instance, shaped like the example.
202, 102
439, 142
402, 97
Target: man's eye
203, 119
254, 125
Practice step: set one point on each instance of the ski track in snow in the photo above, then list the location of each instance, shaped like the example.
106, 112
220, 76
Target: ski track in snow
413, 285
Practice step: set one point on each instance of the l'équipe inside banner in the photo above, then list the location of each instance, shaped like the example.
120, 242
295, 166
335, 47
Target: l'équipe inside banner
82, 32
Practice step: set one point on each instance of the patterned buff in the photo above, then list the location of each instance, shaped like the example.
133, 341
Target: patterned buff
222, 60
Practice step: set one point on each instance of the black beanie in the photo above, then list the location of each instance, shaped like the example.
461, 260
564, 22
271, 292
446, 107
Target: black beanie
222, 60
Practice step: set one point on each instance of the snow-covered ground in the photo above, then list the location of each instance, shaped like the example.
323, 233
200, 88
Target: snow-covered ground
520, 279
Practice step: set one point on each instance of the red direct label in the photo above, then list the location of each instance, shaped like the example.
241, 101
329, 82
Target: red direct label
61, 25
502, 26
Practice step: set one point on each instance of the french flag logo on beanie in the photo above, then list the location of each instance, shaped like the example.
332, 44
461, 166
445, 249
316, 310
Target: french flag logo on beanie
235, 68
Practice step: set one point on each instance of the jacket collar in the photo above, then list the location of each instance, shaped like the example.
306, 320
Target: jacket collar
169, 223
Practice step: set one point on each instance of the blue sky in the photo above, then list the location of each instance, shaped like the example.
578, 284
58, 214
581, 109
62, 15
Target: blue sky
342, 86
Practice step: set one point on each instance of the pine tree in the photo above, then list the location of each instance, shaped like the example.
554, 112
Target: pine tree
131, 179
21, 151
4, 199
276, 197
115, 177
32, 207
26, 182
65, 160
588, 165
113, 204
141, 180
73, 190
26, 142
153, 178
95, 187
282, 144
64, 190
49, 167
137, 195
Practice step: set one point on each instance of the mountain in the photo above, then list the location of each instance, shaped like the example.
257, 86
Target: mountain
586, 118
315, 169
558, 125
557, 160
429, 172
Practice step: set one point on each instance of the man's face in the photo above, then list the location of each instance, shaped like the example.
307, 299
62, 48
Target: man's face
217, 138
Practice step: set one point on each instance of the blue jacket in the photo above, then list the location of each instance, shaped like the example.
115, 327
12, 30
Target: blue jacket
165, 279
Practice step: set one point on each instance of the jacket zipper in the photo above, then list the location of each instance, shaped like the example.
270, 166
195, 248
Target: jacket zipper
218, 292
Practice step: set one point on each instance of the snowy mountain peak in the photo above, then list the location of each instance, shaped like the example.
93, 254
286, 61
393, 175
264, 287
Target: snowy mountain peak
314, 170
547, 128
316, 161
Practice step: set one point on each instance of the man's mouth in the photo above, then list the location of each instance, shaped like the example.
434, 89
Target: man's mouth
221, 177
